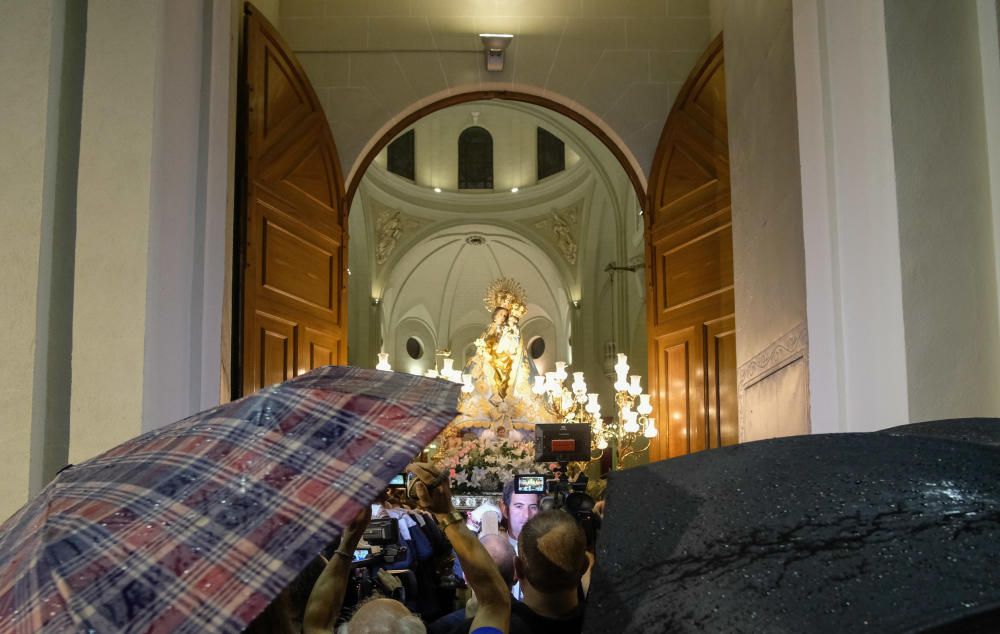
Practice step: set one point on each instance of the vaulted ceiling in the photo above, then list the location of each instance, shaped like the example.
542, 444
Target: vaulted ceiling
427, 257
621, 62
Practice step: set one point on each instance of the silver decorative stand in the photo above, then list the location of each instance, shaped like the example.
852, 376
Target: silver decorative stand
470, 501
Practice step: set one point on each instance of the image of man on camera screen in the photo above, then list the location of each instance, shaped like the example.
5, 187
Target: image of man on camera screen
517, 509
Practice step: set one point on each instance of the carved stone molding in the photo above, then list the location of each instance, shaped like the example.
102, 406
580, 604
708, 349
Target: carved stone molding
780, 353
563, 225
390, 225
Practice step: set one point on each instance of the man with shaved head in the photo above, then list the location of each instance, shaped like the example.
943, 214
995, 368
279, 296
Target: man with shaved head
551, 560
502, 554
383, 615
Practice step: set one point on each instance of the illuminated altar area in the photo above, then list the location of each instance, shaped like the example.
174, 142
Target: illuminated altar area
504, 396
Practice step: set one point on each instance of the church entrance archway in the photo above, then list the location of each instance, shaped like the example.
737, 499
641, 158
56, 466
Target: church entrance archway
687, 236
564, 108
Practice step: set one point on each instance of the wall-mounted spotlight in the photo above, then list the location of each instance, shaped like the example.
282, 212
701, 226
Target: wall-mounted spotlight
495, 44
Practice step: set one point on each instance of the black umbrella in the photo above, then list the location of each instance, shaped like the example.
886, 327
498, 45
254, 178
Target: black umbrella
824, 533
985, 431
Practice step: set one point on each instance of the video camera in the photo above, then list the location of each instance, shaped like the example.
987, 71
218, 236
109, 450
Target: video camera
562, 444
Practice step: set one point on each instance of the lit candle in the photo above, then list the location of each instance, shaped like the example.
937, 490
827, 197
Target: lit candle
645, 407
631, 425
634, 388
539, 386
650, 431
621, 368
560, 371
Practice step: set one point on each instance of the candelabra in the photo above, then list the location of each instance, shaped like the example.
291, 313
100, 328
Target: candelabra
447, 371
631, 430
625, 434
572, 405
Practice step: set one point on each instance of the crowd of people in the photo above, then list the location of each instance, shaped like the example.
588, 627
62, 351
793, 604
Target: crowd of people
527, 570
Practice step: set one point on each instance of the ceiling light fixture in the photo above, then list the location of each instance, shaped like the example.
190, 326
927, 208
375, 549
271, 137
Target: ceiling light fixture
495, 44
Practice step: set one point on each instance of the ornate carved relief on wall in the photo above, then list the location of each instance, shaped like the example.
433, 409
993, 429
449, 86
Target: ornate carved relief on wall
389, 226
561, 225
773, 385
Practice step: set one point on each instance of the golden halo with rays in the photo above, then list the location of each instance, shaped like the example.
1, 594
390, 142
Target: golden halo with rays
506, 292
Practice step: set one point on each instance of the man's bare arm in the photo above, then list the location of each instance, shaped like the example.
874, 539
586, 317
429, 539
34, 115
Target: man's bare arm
327, 595
480, 571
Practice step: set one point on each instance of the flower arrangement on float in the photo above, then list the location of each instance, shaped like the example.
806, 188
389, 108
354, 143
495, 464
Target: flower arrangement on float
478, 465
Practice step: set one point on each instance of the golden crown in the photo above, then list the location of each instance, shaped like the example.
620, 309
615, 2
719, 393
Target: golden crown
506, 293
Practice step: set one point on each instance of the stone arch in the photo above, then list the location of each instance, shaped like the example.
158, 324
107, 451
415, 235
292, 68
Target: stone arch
546, 99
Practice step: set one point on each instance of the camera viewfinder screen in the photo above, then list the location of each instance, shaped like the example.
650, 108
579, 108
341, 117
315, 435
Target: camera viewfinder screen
398, 480
531, 484
360, 554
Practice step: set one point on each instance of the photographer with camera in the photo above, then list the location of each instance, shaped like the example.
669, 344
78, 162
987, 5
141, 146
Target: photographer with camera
482, 575
389, 615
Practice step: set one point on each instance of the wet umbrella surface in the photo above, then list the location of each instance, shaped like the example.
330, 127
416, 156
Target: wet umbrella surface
197, 526
985, 431
825, 533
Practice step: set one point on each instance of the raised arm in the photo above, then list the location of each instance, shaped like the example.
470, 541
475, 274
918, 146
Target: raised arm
480, 571
327, 595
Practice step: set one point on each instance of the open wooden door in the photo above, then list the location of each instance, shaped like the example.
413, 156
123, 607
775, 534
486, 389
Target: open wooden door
691, 325
291, 243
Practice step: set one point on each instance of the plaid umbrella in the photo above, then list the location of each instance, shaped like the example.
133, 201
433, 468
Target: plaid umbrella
197, 526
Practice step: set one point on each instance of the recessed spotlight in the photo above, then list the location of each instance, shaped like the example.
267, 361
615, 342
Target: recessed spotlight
437, 190
513, 190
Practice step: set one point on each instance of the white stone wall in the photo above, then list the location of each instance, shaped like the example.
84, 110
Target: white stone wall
27, 139
943, 191
768, 254
622, 62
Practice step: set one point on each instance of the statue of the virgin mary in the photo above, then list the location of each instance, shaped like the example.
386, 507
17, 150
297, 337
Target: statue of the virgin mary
502, 374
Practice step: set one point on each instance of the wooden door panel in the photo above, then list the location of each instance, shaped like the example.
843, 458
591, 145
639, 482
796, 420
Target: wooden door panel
297, 268
720, 339
318, 349
279, 92
687, 174
680, 359
294, 173
691, 302
698, 268
276, 346
294, 247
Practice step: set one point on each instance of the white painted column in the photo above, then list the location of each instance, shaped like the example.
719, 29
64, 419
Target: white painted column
857, 352
940, 138
190, 211
29, 62
989, 53
154, 217
113, 219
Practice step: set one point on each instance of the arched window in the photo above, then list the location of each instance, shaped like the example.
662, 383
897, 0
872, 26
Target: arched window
400, 156
475, 159
551, 154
